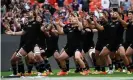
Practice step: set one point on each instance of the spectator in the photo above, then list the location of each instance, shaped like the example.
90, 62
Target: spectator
85, 5
60, 3
127, 5
75, 5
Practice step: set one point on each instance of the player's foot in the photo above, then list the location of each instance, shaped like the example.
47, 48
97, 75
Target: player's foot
84, 73
110, 72
124, 70
44, 74
62, 73
117, 70
129, 72
69, 71
39, 74
95, 72
107, 71
50, 73
103, 72
33, 72
22, 74
120, 69
88, 71
28, 74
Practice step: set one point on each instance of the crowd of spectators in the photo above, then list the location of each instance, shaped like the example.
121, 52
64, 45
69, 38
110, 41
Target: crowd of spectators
13, 11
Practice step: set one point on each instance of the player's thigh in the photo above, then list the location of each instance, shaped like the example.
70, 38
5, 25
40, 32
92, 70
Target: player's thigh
78, 54
105, 51
129, 51
63, 56
121, 51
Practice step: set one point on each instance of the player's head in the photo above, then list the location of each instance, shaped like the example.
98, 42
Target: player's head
39, 18
72, 20
30, 13
114, 15
130, 15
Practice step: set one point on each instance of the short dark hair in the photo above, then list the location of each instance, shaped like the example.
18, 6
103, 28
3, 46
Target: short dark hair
130, 11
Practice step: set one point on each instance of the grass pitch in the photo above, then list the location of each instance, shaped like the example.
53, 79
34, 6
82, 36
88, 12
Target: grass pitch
72, 74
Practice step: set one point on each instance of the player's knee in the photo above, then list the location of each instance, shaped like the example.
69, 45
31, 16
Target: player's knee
127, 54
122, 55
56, 56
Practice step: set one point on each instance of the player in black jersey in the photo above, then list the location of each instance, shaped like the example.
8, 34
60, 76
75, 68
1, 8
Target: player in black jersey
51, 41
29, 58
48, 42
121, 50
129, 38
73, 32
102, 26
20, 62
31, 33
87, 37
87, 40
114, 40
51, 35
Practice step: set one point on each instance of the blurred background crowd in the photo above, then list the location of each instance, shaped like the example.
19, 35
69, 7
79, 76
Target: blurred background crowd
13, 12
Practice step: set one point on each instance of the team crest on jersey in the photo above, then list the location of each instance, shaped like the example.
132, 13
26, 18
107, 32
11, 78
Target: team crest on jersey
29, 25
112, 25
34, 22
117, 22
71, 31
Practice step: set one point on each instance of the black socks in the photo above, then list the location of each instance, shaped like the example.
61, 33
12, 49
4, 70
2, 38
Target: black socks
110, 67
14, 68
67, 65
29, 66
21, 67
47, 65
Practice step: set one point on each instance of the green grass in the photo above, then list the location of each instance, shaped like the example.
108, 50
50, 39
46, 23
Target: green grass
71, 74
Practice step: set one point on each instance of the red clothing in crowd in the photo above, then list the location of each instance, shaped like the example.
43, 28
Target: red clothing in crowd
52, 2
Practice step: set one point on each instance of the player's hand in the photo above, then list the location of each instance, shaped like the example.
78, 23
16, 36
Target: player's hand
94, 19
87, 17
9, 32
57, 21
118, 16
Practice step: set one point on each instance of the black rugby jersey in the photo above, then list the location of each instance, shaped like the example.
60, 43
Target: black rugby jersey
129, 32
73, 35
